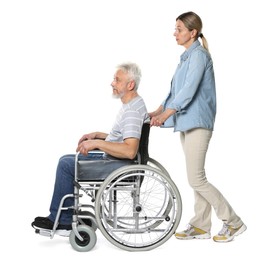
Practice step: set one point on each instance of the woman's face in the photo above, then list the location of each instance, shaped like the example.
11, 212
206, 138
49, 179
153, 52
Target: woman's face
182, 35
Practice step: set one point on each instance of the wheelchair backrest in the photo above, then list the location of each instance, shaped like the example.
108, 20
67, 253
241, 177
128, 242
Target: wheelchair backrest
144, 141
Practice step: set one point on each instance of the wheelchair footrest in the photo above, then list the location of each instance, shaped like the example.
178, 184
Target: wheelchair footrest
44, 232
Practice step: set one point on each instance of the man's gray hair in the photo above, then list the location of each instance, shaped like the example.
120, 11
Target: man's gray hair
133, 71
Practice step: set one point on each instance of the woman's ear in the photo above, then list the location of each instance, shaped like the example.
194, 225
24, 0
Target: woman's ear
194, 33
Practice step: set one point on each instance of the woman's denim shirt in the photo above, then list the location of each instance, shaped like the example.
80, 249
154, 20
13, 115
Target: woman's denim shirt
192, 92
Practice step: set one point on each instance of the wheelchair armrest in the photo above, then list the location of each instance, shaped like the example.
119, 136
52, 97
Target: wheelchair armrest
93, 152
96, 151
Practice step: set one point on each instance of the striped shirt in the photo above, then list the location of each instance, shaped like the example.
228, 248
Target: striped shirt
129, 121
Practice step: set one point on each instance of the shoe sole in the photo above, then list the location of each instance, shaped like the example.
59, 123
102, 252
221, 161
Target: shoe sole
239, 232
204, 236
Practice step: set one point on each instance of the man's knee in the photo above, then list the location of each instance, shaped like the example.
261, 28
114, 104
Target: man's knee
67, 163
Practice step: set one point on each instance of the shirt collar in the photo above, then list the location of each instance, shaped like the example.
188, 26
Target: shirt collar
185, 55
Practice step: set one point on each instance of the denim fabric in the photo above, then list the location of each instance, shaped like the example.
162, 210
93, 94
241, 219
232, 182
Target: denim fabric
192, 92
65, 175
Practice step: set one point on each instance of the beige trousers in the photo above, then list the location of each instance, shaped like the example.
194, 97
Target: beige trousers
195, 144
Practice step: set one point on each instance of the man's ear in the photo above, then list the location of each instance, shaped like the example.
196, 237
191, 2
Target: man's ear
131, 85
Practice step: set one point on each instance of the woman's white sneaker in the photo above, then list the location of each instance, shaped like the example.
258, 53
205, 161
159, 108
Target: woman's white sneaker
227, 233
192, 233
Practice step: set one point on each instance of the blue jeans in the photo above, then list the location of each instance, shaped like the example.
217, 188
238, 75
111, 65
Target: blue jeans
65, 175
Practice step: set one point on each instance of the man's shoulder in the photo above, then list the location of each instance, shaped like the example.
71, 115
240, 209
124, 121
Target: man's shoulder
135, 104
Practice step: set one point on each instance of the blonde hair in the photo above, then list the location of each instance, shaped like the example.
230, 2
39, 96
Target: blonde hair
192, 21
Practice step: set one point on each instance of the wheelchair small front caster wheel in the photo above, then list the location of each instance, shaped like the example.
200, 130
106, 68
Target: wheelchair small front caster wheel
89, 239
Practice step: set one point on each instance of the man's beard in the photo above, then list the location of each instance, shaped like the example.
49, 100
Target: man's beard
117, 96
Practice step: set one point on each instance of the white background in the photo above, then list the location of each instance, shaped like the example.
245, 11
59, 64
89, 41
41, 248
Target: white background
57, 60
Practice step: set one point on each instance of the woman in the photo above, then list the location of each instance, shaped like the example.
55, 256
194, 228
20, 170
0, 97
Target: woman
190, 108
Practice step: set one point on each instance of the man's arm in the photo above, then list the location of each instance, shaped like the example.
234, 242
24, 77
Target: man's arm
94, 135
126, 150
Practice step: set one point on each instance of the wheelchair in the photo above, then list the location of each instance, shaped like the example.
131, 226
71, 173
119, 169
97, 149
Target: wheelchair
136, 206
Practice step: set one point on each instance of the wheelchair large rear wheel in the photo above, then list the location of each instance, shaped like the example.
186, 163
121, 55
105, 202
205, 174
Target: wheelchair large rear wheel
138, 207
153, 163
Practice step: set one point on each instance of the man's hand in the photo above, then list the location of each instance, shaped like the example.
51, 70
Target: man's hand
85, 137
92, 136
85, 146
